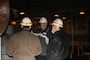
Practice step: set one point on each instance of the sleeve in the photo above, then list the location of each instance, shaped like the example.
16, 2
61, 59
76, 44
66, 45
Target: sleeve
38, 49
10, 47
54, 45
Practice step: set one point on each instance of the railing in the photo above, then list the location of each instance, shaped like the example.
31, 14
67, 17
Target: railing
79, 45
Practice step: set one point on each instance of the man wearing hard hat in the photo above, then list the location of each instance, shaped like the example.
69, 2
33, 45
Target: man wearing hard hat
45, 30
44, 35
24, 45
58, 47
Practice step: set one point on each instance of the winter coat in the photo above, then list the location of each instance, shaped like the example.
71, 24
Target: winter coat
44, 36
4, 41
58, 47
46, 32
43, 45
24, 46
8, 33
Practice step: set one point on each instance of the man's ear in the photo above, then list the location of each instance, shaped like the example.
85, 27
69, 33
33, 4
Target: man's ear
30, 27
21, 26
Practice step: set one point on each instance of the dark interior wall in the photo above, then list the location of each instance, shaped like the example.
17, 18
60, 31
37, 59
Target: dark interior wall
83, 37
89, 30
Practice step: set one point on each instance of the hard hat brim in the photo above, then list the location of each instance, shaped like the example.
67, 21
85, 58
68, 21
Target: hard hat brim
42, 22
56, 25
26, 24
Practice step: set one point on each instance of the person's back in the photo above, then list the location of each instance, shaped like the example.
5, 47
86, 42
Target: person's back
24, 45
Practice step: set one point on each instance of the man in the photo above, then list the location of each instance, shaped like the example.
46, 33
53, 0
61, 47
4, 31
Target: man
24, 45
4, 15
58, 47
44, 35
44, 29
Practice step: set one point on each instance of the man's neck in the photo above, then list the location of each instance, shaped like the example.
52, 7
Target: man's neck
44, 28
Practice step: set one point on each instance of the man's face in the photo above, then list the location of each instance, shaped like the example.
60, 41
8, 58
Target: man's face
43, 26
4, 16
55, 28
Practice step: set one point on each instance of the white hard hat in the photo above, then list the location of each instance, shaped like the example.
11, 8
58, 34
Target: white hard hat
43, 20
57, 22
26, 21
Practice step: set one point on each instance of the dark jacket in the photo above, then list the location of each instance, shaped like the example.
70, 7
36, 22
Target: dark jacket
46, 32
43, 45
58, 47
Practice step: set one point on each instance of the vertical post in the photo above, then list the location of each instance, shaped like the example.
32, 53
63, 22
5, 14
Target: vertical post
72, 47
